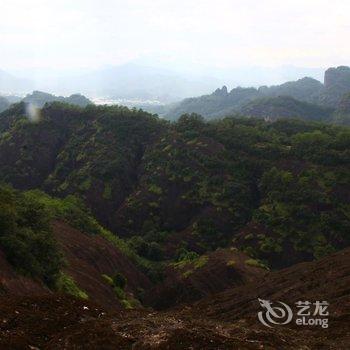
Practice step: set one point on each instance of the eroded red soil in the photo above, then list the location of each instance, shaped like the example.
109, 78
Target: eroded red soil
225, 321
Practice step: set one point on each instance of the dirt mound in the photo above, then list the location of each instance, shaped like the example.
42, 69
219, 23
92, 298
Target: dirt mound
89, 257
327, 279
190, 281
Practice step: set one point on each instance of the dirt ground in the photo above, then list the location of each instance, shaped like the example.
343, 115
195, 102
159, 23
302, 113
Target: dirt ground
225, 321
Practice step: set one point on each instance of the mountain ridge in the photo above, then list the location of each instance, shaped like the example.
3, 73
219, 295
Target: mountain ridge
223, 102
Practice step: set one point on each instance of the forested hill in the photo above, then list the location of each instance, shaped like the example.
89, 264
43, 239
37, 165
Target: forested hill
39, 98
4, 104
223, 102
277, 190
273, 108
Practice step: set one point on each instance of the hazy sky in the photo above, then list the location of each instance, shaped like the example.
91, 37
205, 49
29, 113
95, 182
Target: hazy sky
221, 33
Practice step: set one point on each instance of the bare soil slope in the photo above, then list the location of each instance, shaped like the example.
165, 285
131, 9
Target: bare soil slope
226, 321
91, 256
209, 274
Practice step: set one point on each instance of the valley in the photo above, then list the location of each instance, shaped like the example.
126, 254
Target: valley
139, 231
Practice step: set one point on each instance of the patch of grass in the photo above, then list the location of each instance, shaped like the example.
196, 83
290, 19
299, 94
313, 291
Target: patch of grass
180, 264
201, 261
120, 293
155, 189
108, 279
107, 192
231, 263
256, 263
127, 301
66, 284
118, 284
187, 273
192, 262
153, 204
126, 304
84, 186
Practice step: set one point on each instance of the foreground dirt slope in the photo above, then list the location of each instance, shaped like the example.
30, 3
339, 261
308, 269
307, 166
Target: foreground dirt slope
74, 324
91, 256
226, 321
88, 257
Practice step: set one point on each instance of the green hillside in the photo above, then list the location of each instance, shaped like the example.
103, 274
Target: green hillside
273, 108
191, 185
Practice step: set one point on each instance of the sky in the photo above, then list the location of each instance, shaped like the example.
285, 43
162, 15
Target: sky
87, 34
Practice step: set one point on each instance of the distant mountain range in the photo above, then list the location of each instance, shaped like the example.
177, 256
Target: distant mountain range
148, 81
273, 108
267, 102
306, 98
39, 99
127, 81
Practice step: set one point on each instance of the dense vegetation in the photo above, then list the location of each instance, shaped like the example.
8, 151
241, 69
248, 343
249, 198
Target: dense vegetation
273, 108
39, 98
278, 190
26, 237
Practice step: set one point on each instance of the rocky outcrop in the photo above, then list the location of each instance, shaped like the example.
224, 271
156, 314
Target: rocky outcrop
342, 114
221, 92
337, 76
336, 83
344, 104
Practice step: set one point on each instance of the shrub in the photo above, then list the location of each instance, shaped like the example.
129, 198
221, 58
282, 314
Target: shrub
185, 255
255, 263
155, 189
119, 281
231, 263
155, 252
139, 244
120, 293
108, 279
